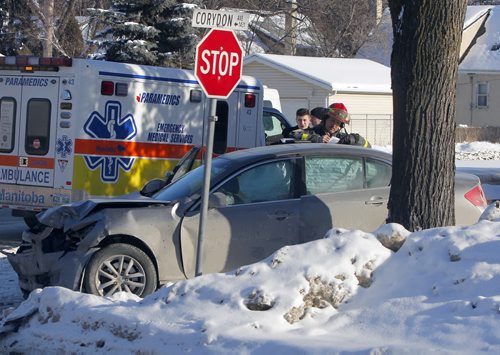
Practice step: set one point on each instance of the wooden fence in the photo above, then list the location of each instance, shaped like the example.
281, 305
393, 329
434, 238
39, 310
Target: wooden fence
475, 134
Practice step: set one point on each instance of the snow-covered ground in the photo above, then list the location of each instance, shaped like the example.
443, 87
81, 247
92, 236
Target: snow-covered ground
349, 292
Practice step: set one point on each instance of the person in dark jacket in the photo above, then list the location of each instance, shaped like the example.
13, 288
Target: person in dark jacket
333, 127
303, 119
316, 114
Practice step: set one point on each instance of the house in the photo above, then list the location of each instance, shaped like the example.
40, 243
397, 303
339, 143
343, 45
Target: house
364, 86
478, 87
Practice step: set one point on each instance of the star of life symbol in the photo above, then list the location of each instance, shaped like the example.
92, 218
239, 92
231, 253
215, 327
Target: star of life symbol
64, 146
111, 126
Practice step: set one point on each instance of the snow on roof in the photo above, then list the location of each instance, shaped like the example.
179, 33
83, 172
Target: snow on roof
473, 13
484, 55
378, 46
340, 74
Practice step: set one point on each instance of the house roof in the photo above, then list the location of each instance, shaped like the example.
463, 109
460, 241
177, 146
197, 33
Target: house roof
484, 54
473, 13
334, 74
378, 46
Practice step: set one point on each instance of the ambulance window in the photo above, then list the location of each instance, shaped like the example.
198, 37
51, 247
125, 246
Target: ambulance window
7, 124
37, 127
220, 134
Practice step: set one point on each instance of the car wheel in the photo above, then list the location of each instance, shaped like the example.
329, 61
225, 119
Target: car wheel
120, 267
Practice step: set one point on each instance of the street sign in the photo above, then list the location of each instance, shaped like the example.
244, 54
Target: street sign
218, 64
231, 20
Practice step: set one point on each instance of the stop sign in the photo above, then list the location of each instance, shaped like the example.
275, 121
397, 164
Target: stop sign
218, 63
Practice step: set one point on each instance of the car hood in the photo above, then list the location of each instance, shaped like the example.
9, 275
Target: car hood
65, 216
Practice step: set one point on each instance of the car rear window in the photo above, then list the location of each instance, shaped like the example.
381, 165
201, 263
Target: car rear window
378, 174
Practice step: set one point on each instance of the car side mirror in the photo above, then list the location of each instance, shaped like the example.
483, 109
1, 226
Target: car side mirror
168, 177
217, 200
153, 186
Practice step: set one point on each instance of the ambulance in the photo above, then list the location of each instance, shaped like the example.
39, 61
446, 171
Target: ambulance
72, 129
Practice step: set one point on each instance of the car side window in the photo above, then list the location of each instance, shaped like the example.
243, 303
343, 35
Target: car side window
378, 174
272, 124
262, 183
273, 127
333, 174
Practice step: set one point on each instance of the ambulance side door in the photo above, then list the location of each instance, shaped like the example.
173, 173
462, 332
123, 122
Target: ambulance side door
225, 138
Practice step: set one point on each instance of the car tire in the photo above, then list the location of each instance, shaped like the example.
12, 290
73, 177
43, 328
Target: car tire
120, 267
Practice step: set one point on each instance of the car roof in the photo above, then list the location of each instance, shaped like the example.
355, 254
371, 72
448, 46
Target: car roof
250, 155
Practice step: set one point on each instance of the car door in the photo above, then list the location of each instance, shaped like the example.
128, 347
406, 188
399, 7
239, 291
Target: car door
355, 191
261, 215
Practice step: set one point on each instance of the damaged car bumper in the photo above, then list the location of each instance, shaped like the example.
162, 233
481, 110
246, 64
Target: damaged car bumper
43, 260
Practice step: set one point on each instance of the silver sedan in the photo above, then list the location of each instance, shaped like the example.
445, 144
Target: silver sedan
260, 200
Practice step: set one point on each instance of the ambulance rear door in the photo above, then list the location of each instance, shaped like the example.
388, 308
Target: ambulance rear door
37, 131
10, 102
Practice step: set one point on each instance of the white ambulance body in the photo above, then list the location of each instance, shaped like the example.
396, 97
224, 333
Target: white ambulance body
72, 129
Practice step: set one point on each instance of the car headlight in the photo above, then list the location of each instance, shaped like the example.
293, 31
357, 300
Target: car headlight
73, 238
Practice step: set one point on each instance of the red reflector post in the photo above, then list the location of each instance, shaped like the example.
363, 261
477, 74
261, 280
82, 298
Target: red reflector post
476, 197
250, 100
107, 88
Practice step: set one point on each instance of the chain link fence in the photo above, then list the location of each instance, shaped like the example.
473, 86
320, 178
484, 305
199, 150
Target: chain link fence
376, 128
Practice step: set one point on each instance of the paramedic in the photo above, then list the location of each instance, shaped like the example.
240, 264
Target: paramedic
332, 128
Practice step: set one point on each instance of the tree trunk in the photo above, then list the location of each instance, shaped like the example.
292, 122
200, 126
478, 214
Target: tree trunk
424, 63
49, 28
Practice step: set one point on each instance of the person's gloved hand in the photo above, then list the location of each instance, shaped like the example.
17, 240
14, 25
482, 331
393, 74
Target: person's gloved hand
352, 138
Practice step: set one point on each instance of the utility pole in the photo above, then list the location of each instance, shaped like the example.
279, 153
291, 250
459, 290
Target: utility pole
291, 28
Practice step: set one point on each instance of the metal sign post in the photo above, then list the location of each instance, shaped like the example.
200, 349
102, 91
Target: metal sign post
218, 67
206, 184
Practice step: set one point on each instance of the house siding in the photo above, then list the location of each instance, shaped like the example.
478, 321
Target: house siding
371, 112
467, 112
294, 92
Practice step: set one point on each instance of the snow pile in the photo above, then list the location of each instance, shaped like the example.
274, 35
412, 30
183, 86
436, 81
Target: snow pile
477, 151
345, 293
466, 151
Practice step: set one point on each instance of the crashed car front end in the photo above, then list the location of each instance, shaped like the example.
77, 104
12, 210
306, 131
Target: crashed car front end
50, 256
42, 260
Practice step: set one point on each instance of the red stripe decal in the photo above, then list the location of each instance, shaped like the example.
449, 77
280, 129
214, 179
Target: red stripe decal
33, 162
130, 149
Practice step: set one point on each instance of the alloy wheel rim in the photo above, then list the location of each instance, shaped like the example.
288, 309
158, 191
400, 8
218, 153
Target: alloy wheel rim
120, 273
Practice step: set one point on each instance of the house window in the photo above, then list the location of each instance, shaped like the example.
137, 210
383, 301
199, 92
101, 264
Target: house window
482, 95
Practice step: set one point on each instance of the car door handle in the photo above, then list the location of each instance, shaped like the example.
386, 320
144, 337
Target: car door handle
376, 200
280, 215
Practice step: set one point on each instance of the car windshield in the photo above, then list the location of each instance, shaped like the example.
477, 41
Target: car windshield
192, 182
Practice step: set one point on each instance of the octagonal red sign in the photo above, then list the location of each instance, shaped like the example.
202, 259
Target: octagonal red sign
218, 65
